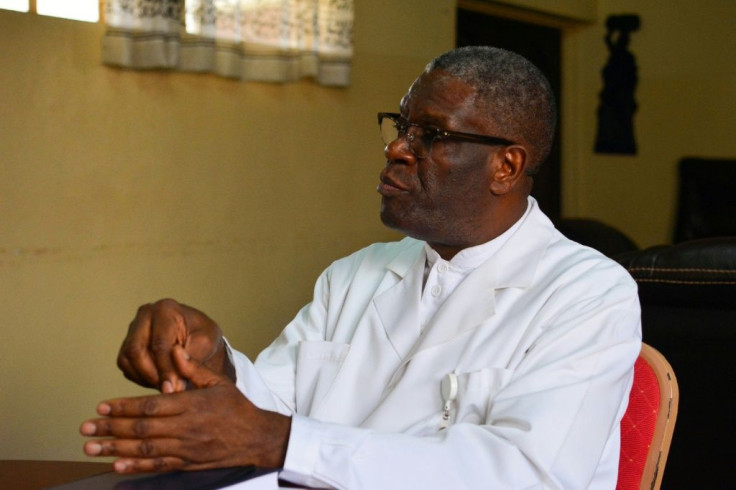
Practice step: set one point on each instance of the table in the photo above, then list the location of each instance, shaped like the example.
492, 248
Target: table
37, 475
34, 475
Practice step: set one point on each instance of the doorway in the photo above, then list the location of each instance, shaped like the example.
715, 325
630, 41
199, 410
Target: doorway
541, 45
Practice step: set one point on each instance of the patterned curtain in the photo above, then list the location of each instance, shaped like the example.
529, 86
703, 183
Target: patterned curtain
260, 40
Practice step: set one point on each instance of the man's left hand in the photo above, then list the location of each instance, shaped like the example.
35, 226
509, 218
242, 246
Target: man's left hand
211, 426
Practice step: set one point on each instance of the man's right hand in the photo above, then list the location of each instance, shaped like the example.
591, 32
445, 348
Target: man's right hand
146, 354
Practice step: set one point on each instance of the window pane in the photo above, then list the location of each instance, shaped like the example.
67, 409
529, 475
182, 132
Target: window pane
70, 9
19, 5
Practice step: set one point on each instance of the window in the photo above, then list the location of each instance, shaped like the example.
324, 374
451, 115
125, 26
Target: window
86, 10
258, 40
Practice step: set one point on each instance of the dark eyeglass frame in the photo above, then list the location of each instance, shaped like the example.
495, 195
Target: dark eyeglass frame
430, 134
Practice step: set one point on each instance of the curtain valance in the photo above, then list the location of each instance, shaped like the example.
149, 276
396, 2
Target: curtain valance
260, 40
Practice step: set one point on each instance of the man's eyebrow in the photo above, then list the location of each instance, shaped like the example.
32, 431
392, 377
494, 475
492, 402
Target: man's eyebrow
439, 120
402, 103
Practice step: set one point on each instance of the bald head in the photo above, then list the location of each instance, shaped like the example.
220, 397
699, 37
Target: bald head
511, 91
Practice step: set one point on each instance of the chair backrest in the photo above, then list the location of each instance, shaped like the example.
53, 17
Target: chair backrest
648, 424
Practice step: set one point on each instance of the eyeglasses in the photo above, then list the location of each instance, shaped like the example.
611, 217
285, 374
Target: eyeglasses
421, 138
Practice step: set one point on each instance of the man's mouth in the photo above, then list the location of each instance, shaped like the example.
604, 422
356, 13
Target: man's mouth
390, 187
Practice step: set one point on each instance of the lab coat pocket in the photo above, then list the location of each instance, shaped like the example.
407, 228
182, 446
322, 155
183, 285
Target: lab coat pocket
475, 392
317, 365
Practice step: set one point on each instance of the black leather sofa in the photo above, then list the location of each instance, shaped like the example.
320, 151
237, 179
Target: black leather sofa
688, 298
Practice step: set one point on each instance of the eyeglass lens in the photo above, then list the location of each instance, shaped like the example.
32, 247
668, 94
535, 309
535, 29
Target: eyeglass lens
392, 130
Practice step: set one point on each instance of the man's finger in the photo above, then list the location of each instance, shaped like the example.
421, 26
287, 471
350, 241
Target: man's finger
133, 448
131, 428
134, 358
149, 465
170, 330
143, 406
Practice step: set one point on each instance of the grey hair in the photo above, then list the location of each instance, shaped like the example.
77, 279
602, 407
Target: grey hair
514, 92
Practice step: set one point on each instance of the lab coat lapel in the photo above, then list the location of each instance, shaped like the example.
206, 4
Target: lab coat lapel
517, 261
398, 305
387, 332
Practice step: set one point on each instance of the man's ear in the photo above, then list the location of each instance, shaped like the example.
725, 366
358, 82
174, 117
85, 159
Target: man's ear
508, 169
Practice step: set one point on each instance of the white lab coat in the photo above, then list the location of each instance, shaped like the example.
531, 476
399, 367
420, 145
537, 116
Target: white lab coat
542, 339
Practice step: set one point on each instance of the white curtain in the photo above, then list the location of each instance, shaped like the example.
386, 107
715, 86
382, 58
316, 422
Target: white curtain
260, 40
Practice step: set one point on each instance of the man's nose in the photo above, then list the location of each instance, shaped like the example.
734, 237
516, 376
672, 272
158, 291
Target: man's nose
398, 151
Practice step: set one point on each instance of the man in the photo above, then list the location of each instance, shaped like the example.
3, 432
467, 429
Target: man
485, 351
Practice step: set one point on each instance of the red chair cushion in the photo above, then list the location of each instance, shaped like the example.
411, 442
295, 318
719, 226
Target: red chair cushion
637, 426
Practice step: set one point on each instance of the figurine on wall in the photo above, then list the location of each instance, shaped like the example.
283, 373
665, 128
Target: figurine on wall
617, 103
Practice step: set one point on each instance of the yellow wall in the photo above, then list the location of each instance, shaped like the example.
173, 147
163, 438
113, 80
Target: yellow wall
687, 107
120, 187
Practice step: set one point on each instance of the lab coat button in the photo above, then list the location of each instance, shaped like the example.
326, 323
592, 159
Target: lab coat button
436, 290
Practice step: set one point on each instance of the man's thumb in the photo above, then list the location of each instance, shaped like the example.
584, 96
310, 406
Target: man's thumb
199, 375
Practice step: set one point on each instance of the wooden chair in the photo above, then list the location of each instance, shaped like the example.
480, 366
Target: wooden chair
648, 424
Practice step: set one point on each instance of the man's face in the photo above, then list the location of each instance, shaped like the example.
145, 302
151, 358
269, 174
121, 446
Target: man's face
443, 198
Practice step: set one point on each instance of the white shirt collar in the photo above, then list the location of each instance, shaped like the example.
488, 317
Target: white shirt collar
472, 257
